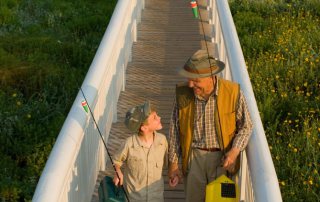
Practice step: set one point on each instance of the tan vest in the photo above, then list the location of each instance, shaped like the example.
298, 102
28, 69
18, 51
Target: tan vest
224, 116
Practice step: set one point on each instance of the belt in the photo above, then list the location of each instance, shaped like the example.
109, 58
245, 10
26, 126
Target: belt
209, 149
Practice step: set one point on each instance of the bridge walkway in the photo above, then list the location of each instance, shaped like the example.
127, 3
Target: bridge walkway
167, 35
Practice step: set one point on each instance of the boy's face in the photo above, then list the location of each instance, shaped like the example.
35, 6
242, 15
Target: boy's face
153, 122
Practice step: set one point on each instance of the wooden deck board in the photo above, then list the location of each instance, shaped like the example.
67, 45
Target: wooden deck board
167, 35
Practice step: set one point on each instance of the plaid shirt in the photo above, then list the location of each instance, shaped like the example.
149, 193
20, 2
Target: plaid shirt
205, 135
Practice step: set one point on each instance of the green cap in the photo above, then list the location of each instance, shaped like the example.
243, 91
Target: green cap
136, 116
198, 65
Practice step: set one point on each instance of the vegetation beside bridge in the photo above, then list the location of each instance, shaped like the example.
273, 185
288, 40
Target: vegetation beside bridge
46, 48
281, 45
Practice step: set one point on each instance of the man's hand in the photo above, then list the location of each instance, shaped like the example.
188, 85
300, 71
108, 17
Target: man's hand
229, 161
116, 180
174, 175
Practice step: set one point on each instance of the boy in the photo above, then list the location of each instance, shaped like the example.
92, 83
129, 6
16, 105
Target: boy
144, 154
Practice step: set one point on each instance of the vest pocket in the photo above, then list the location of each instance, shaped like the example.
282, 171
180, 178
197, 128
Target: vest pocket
228, 124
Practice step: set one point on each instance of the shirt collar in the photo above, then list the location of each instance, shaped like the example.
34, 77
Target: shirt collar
138, 143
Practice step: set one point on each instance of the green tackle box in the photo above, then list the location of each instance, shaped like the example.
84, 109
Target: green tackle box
108, 192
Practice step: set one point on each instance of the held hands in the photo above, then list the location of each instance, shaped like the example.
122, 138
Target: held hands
229, 161
173, 181
174, 175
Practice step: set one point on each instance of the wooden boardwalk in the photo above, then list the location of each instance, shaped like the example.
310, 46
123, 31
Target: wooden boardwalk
167, 35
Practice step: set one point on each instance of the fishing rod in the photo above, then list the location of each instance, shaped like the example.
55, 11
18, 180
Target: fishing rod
104, 143
196, 9
213, 78
228, 188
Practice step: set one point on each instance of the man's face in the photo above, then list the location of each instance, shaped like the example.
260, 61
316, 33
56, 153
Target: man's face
154, 122
201, 86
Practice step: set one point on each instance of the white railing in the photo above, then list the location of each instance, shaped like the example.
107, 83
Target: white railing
261, 182
71, 171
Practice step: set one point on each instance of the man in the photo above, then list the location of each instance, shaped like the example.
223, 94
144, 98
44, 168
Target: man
210, 118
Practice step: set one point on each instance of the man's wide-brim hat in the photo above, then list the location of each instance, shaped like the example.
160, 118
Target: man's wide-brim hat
198, 65
137, 115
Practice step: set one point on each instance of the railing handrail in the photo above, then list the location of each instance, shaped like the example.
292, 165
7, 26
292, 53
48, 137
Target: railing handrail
264, 179
55, 178
95, 74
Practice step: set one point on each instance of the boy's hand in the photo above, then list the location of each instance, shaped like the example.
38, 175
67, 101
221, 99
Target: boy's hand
116, 180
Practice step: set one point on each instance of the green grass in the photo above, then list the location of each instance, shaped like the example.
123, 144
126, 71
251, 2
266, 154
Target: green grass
281, 45
46, 48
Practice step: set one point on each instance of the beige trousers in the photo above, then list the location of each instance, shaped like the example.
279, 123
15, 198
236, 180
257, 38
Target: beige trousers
204, 167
